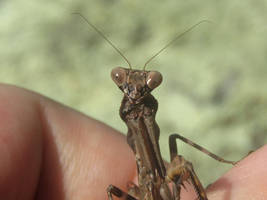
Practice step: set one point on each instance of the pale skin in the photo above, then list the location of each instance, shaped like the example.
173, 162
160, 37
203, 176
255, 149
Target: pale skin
49, 151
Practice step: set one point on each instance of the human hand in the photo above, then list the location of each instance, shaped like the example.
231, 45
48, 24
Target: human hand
49, 151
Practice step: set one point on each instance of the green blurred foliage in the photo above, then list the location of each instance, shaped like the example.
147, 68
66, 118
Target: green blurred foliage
214, 90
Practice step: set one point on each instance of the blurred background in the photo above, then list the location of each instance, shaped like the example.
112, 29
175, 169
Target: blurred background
214, 88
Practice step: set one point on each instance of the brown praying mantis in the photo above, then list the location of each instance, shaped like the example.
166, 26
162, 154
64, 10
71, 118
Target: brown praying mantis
138, 110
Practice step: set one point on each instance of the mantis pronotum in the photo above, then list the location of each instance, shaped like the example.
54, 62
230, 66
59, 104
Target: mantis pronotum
138, 110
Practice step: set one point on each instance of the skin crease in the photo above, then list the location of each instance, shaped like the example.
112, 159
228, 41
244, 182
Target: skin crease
49, 151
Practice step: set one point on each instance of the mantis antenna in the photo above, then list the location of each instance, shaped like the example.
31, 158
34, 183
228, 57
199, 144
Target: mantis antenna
104, 37
173, 40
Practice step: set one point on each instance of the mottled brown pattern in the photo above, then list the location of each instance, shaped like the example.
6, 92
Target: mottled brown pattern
138, 111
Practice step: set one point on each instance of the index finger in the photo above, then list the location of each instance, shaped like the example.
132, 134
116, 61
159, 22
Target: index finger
54, 152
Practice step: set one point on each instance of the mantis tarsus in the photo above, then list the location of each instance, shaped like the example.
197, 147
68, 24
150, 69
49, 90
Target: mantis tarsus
138, 110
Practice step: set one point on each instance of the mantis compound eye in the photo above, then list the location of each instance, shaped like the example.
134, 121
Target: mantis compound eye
118, 75
153, 79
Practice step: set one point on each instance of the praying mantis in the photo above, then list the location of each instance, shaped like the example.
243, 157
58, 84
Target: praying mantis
156, 181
